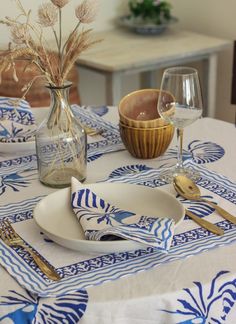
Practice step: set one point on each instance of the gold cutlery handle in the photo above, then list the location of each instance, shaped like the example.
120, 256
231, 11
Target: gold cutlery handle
204, 223
91, 131
222, 212
46, 268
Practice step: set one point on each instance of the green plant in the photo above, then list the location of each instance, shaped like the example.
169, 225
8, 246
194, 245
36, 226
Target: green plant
155, 11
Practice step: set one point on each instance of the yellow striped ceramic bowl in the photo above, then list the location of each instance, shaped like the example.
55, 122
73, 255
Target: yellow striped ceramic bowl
139, 109
146, 143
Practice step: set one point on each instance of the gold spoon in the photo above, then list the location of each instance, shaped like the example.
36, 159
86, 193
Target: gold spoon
189, 190
200, 221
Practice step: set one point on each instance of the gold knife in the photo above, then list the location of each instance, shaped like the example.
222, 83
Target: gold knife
204, 223
222, 211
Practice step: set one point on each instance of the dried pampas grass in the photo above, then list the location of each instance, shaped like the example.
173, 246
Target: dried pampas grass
28, 42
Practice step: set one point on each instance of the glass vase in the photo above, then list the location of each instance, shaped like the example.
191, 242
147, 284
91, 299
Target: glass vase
61, 142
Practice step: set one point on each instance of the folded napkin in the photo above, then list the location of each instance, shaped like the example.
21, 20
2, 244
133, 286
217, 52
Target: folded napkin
102, 221
17, 123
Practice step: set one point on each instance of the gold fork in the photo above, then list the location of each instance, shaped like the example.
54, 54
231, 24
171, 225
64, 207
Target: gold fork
11, 238
92, 131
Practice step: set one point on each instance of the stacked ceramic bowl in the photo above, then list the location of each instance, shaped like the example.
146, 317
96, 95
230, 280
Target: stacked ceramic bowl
144, 133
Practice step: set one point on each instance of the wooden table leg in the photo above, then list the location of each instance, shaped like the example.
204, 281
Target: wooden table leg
148, 80
113, 88
210, 79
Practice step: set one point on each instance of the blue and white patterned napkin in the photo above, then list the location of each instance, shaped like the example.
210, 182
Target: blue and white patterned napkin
102, 221
17, 123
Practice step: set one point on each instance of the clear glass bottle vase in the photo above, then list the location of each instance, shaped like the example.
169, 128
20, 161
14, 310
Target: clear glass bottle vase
61, 142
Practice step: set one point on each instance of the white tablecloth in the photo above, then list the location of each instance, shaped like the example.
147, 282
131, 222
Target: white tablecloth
198, 289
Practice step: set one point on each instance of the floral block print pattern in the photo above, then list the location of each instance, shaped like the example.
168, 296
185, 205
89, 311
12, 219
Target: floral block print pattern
199, 304
17, 123
28, 308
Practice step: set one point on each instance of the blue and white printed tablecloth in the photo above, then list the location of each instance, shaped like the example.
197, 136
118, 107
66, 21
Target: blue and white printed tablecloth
155, 295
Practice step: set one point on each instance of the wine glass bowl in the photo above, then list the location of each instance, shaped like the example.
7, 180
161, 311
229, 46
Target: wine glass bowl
180, 103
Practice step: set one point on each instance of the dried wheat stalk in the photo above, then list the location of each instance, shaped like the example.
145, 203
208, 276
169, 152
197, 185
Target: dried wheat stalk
28, 42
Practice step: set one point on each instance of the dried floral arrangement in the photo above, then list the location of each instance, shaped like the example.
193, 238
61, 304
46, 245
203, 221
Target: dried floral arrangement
29, 44
60, 142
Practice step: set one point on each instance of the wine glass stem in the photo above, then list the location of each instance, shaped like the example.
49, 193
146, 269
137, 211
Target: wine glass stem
180, 132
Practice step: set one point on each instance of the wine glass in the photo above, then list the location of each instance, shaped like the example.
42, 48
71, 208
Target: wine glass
180, 103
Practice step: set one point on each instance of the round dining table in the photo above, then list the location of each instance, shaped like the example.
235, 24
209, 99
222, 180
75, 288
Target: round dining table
195, 282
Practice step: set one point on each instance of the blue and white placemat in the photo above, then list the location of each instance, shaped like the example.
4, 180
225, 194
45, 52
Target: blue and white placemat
17, 122
110, 139
80, 271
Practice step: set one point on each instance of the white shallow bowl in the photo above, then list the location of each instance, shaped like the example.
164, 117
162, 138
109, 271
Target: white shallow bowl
55, 217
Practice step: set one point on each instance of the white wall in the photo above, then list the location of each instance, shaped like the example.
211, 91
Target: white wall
108, 10
212, 17
215, 18
91, 86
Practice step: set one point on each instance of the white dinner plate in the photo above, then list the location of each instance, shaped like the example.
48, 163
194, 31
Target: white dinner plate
55, 217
